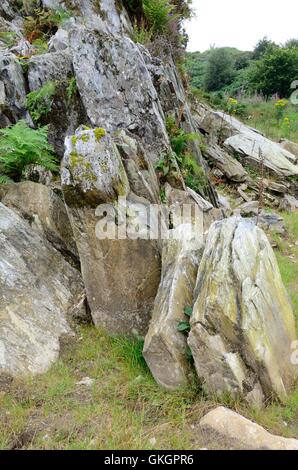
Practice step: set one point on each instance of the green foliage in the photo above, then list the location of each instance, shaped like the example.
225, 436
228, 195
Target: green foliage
274, 72
264, 46
72, 89
193, 174
8, 38
219, 70
21, 146
39, 102
158, 14
40, 46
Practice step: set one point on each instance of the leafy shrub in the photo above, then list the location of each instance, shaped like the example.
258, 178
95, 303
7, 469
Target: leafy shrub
39, 102
21, 146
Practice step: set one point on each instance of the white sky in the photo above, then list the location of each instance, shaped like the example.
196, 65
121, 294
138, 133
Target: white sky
241, 23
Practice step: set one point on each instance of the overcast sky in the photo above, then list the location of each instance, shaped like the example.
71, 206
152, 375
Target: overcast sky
241, 23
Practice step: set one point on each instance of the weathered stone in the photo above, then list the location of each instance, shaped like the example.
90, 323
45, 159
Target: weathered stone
165, 348
59, 42
225, 424
230, 167
289, 203
254, 148
270, 222
14, 91
243, 326
44, 210
39, 291
245, 142
92, 170
139, 168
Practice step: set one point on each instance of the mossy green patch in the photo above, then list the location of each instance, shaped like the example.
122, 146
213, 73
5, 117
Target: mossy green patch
99, 133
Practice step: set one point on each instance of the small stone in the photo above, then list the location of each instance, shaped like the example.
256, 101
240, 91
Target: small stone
87, 381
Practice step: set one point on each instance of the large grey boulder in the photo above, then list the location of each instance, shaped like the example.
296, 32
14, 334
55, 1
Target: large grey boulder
116, 88
243, 326
222, 423
44, 210
165, 348
121, 275
39, 293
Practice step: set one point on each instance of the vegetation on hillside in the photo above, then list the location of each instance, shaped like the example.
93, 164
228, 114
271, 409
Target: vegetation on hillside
270, 69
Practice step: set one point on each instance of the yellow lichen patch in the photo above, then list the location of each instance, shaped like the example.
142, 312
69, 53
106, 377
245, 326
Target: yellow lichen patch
85, 138
75, 159
74, 140
99, 133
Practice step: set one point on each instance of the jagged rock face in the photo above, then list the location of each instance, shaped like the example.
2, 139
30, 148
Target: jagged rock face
39, 294
165, 348
44, 210
12, 90
222, 423
121, 275
116, 88
242, 333
66, 113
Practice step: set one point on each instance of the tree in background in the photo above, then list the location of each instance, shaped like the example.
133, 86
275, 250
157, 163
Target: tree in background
264, 46
219, 71
291, 43
275, 72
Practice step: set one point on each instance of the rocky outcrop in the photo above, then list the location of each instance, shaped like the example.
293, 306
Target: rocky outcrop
40, 294
244, 142
241, 334
121, 275
44, 210
165, 348
222, 423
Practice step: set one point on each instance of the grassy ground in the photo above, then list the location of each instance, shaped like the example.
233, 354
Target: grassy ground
262, 116
124, 408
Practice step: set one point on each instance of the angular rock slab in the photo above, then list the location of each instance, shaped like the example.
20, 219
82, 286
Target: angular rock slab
165, 348
121, 275
39, 291
227, 424
243, 325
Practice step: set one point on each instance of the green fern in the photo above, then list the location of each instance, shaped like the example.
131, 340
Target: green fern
21, 146
39, 103
158, 13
